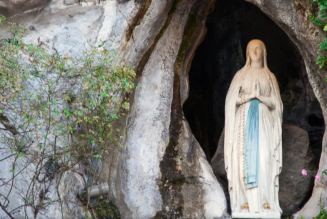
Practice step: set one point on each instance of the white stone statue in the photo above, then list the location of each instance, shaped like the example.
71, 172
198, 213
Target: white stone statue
253, 138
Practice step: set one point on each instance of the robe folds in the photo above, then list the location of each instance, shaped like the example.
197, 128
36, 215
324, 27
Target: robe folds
253, 142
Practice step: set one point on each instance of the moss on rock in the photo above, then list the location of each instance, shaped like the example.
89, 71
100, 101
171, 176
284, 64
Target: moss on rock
105, 209
187, 38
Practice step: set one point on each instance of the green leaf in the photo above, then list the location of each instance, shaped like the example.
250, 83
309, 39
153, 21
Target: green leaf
56, 112
321, 61
113, 116
20, 155
79, 113
68, 112
104, 94
97, 156
322, 46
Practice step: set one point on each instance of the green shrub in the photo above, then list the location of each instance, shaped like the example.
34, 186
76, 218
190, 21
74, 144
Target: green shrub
57, 109
320, 20
322, 214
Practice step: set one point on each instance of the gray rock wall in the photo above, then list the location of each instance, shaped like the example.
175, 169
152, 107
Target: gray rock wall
160, 171
163, 168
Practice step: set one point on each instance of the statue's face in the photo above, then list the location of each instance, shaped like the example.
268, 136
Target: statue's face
255, 51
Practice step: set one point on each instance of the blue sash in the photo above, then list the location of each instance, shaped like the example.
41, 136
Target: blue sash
251, 145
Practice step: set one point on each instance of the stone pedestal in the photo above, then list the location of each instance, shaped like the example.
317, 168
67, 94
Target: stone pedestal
270, 215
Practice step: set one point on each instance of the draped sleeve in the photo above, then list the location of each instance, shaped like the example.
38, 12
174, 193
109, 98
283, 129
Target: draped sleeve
277, 114
278, 120
230, 112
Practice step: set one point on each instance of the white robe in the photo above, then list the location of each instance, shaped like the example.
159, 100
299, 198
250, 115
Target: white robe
270, 157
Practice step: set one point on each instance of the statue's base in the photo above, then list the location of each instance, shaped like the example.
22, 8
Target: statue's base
271, 215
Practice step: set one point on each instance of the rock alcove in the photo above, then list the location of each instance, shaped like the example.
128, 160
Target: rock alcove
231, 26
160, 171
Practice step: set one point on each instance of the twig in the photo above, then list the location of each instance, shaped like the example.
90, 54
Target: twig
5, 210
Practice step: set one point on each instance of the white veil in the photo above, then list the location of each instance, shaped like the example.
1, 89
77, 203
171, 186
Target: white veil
230, 113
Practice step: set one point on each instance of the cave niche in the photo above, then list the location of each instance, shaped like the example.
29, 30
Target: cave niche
230, 26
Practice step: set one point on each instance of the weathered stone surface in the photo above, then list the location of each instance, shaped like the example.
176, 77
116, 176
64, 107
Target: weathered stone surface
67, 188
297, 155
160, 178
72, 207
164, 165
148, 35
63, 28
70, 2
13, 7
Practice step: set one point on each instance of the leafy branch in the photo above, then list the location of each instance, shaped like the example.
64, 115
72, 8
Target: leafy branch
320, 20
55, 111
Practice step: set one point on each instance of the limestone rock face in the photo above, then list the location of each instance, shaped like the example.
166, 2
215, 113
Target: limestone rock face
160, 171
297, 155
13, 7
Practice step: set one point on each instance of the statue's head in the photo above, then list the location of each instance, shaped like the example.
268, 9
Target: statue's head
256, 53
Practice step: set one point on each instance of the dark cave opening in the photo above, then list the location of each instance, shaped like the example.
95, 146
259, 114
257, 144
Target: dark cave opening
231, 25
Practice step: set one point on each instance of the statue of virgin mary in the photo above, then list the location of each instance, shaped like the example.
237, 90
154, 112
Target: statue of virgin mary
253, 143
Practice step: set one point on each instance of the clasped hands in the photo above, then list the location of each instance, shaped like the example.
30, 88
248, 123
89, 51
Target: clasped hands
255, 93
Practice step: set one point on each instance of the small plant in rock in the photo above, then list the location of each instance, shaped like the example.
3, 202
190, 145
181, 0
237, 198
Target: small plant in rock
320, 20
317, 177
55, 111
105, 209
322, 214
